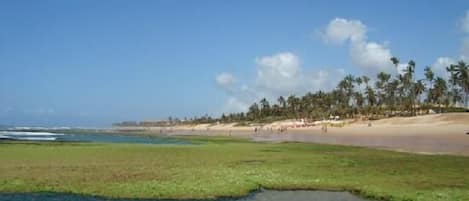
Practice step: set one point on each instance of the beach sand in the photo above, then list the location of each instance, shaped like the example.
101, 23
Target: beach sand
428, 134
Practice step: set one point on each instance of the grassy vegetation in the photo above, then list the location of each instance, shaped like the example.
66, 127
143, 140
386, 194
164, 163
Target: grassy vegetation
227, 167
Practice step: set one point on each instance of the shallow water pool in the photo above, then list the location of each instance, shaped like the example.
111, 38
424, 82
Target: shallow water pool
266, 195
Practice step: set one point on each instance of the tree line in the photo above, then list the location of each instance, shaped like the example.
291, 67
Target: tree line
389, 95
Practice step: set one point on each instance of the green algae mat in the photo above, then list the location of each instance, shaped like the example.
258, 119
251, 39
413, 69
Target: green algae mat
220, 167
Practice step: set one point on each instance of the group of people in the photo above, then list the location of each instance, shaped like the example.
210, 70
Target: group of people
281, 129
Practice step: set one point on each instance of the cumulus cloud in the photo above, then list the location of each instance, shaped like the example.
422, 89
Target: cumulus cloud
439, 67
225, 80
279, 72
277, 75
234, 104
323, 79
372, 57
340, 30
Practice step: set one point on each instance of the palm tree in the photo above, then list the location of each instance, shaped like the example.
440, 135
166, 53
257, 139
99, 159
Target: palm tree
439, 91
430, 77
370, 97
358, 95
292, 105
391, 92
359, 99
400, 82
419, 88
349, 80
395, 61
382, 85
411, 67
366, 79
462, 75
283, 104
253, 112
306, 105
453, 81
276, 110
265, 107
359, 82
409, 84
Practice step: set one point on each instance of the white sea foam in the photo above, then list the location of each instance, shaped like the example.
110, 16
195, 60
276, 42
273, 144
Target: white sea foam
40, 128
4, 137
36, 138
21, 133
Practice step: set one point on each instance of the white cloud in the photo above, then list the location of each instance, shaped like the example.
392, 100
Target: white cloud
465, 22
372, 57
225, 80
340, 30
401, 68
279, 72
277, 75
233, 104
439, 67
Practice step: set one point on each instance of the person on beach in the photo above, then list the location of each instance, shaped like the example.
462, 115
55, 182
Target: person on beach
324, 127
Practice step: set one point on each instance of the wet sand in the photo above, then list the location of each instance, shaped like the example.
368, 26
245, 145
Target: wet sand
417, 139
440, 140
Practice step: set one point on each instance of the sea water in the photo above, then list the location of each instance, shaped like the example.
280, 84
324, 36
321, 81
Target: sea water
265, 195
88, 137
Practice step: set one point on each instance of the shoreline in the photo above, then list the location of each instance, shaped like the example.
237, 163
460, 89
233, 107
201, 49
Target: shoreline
428, 134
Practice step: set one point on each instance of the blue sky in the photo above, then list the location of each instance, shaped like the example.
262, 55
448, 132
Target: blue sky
91, 63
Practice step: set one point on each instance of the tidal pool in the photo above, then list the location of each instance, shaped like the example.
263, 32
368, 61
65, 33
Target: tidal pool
89, 137
265, 195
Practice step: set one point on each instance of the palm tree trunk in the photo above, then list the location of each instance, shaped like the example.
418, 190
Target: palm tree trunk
465, 100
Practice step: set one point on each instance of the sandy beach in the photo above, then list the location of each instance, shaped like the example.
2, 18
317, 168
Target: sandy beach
428, 134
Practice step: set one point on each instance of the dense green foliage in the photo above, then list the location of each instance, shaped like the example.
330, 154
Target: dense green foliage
228, 167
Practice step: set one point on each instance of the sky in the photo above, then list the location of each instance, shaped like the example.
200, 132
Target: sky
91, 63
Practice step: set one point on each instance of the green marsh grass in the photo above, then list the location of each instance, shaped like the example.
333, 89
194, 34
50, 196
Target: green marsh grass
215, 167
